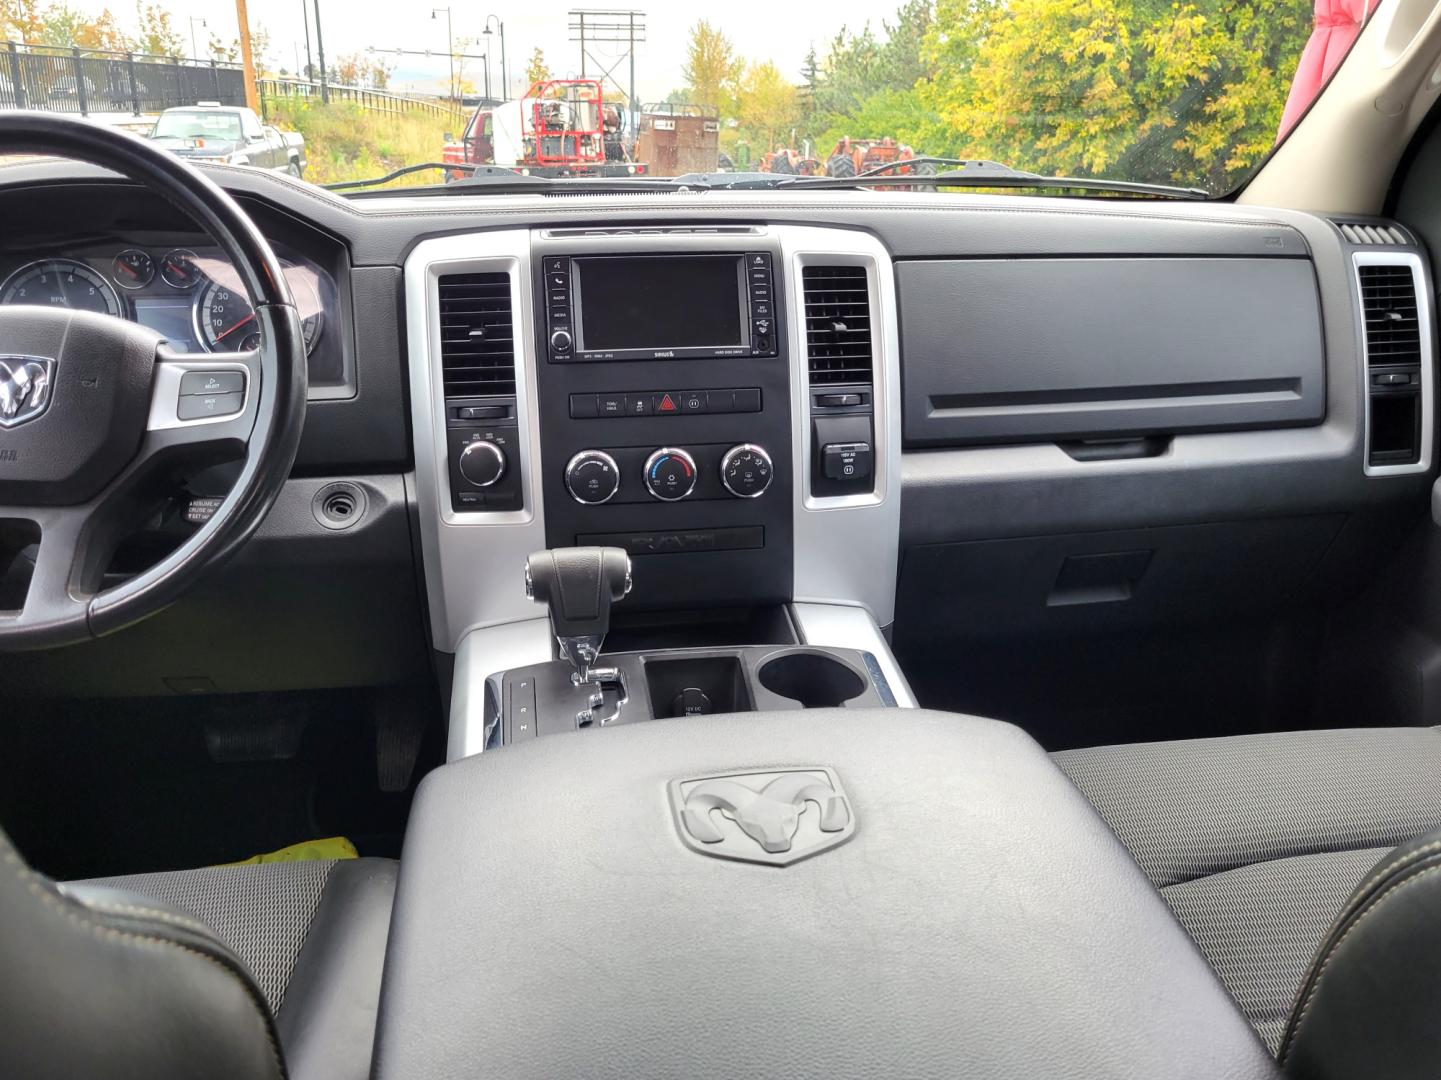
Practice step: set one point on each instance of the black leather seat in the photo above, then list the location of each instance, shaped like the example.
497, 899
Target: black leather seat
1258, 841
241, 972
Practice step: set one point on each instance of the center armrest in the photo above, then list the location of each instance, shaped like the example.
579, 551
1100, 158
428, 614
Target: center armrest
610, 905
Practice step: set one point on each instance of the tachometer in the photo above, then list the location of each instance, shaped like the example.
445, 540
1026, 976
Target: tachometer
61, 283
226, 321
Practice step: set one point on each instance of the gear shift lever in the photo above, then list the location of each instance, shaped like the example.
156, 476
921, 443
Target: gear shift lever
578, 586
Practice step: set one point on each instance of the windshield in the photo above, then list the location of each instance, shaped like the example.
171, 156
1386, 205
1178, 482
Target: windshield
197, 124
1184, 93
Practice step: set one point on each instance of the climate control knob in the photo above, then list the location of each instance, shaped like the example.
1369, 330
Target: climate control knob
592, 477
482, 463
670, 474
746, 471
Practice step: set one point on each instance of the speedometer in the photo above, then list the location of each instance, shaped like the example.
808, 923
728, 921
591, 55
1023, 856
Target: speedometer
226, 321
60, 283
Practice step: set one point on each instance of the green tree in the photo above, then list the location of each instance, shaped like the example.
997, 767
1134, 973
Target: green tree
767, 106
157, 35
1188, 91
537, 70
22, 21
711, 68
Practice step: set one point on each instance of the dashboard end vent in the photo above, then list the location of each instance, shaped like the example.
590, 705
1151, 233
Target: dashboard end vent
1388, 302
838, 324
1364, 234
477, 335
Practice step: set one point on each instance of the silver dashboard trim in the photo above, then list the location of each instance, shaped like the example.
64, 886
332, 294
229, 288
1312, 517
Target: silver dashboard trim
841, 627
480, 656
1423, 319
473, 560
847, 548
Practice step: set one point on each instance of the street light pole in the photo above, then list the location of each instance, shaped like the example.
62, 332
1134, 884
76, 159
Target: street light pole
195, 49
305, 14
449, 47
320, 53
504, 70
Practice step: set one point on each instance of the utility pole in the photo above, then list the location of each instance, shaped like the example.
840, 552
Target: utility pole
242, 16
504, 70
195, 49
633, 109
320, 52
621, 29
305, 14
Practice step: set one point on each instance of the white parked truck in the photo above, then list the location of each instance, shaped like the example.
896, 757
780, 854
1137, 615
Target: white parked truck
229, 135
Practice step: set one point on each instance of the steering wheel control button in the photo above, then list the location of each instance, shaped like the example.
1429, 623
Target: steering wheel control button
670, 474
204, 406
846, 461
211, 382
746, 471
482, 463
592, 477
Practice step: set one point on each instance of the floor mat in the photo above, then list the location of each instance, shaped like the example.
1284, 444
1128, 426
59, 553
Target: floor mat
107, 787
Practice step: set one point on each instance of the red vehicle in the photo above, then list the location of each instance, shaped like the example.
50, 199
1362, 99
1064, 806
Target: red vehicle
560, 127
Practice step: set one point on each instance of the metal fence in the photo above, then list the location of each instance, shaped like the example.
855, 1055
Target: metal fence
83, 81
373, 100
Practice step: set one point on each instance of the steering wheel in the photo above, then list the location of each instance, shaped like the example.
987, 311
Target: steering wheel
96, 413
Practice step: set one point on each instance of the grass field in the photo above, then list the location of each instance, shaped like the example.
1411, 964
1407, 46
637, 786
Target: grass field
345, 142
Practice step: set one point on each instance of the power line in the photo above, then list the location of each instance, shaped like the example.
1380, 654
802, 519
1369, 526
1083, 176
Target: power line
609, 27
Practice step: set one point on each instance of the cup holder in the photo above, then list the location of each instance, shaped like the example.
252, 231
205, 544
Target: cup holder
815, 680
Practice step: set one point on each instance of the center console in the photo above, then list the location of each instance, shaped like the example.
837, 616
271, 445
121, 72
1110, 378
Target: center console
719, 403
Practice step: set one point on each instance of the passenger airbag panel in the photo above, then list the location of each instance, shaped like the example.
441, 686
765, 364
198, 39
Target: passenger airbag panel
1023, 350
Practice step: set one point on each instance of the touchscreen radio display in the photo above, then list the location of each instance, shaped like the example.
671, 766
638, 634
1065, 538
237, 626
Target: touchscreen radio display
660, 302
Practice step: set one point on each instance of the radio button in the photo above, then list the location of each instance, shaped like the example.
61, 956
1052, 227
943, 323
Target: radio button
760, 292
719, 401
760, 277
759, 258
554, 265
560, 341
761, 309
670, 474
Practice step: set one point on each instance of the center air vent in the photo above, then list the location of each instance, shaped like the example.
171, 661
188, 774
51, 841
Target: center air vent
477, 335
1388, 300
838, 324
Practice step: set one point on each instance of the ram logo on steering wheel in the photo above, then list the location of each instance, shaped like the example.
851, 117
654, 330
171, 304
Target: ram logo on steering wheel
24, 388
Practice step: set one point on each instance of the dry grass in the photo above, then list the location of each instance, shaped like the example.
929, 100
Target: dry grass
345, 142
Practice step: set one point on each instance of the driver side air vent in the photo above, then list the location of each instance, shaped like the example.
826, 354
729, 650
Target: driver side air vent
838, 324
477, 334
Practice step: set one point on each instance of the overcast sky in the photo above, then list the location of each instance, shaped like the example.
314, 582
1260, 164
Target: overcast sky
777, 30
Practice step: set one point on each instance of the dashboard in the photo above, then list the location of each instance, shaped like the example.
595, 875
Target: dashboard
1056, 399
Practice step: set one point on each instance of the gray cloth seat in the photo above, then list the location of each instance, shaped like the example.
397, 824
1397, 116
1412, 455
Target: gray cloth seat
312, 934
1257, 841
266, 971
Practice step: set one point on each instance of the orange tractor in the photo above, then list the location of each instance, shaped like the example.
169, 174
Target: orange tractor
851, 157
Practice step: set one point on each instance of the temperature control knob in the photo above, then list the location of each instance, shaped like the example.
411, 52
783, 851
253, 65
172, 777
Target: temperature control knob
592, 477
560, 341
482, 463
746, 470
670, 474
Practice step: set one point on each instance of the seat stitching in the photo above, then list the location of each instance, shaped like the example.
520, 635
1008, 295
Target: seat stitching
152, 913
1295, 1031
1301, 854
70, 913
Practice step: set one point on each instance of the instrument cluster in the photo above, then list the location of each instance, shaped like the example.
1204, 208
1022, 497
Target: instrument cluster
191, 295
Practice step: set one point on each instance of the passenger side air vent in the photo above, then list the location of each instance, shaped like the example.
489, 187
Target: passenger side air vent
1398, 362
1388, 301
1362, 233
838, 324
477, 335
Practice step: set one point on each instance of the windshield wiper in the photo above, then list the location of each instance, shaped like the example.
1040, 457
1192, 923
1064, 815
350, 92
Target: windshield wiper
961, 173
496, 179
